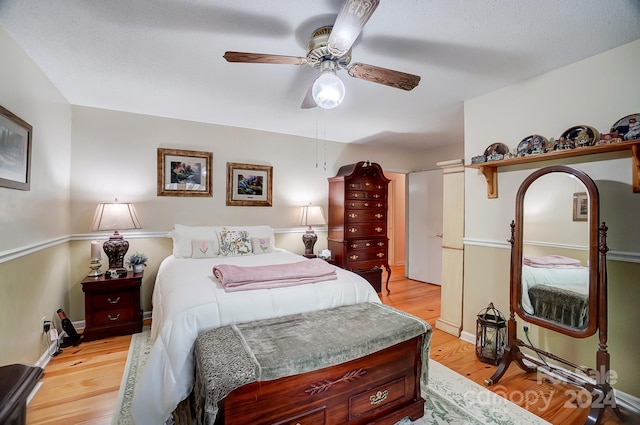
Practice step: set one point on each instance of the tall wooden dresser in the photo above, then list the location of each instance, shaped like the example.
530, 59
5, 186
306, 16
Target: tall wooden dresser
357, 227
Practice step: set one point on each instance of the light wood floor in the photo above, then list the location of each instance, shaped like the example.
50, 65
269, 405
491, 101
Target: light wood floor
81, 385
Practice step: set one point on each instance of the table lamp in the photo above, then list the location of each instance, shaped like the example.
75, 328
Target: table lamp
311, 215
115, 216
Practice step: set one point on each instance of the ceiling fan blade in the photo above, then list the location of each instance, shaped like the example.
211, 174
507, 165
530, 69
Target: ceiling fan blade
349, 23
388, 77
308, 102
264, 58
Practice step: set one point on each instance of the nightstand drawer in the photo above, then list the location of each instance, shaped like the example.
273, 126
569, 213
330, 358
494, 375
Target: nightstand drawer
367, 401
111, 301
112, 317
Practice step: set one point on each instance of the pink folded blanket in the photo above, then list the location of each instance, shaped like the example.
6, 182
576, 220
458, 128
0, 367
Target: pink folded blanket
238, 278
552, 262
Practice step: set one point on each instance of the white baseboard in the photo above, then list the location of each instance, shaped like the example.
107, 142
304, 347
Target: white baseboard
468, 337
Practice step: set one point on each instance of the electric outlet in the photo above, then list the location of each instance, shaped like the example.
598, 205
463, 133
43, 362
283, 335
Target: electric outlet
46, 325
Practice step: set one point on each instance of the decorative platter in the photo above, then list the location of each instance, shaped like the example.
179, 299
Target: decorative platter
496, 151
577, 137
532, 145
628, 128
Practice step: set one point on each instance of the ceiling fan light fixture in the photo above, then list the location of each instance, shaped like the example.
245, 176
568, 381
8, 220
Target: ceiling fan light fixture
328, 88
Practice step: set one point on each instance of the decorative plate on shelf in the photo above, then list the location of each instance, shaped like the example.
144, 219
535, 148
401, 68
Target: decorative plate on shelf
496, 151
532, 145
579, 136
628, 128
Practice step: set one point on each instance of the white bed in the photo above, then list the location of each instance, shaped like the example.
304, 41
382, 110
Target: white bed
187, 299
570, 279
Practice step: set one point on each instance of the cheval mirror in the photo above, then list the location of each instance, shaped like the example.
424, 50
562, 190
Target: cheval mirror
559, 277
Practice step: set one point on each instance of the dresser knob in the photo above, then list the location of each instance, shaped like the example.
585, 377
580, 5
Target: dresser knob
379, 215
114, 318
378, 229
380, 255
113, 301
379, 187
380, 244
352, 215
353, 230
354, 245
376, 195
368, 244
366, 204
367, 184
353, 185
356, 195
379, 205
353, 257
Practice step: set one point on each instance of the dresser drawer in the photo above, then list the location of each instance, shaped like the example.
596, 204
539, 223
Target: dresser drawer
112, 317
378, 255
353, 216
363, 230
112, 300
377, 397
363, 184
363, 195
366, 205
357, 244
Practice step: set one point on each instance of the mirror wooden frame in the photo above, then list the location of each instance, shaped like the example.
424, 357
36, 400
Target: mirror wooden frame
602, 395
593, 254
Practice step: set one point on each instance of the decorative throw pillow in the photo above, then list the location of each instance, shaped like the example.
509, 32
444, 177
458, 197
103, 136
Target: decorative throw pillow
261, 245
234, 243
204, 249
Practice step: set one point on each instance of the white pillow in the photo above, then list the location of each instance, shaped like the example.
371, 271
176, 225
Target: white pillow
183, 235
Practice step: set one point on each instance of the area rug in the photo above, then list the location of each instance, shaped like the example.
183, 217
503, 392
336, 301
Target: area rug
450, 398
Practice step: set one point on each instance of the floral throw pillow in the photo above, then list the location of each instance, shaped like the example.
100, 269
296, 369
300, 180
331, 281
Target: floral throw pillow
234, 243
204, 249
261, 245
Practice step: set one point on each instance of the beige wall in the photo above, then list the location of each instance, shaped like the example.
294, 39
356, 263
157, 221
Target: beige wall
33, 286
597, 92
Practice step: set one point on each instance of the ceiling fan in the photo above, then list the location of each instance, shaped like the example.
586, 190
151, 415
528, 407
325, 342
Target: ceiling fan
329, 51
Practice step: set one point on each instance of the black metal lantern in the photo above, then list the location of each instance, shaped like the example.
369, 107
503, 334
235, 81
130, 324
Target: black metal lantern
491, 334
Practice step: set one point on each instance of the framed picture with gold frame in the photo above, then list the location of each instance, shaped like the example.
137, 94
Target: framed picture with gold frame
249, 185
184, 173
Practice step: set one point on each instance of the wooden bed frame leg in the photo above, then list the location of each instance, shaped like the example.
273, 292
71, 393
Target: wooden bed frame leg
388, 268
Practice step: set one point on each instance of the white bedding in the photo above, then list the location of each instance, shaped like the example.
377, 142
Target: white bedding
187, 300
573, 279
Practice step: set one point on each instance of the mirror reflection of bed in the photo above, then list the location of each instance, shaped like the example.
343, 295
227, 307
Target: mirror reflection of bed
555, 269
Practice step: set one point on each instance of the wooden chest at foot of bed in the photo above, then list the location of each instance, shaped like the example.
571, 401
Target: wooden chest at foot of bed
381, 388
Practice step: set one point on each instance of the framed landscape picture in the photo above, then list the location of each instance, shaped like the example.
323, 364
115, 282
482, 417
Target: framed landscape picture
184, 173
580, 206
15, 151
249, 185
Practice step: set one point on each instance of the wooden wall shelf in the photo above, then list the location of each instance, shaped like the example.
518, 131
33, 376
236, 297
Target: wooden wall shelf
490, 169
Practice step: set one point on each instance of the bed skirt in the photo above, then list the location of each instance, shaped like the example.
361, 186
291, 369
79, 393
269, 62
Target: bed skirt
559, 305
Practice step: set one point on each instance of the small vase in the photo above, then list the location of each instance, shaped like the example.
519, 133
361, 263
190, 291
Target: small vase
137, 268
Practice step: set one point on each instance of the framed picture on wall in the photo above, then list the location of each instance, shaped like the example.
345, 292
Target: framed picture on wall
249, 185
15, 151
184, 173
580, 206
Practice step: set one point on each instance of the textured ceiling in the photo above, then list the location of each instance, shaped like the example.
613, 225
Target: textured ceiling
164, 58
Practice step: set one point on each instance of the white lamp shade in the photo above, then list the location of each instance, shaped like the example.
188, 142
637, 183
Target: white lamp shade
328, 90
312, 215
115, 216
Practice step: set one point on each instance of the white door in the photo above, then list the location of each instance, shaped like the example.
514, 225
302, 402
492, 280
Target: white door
424, 230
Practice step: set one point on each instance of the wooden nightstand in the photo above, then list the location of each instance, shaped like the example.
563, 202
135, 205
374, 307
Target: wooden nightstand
112, 306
